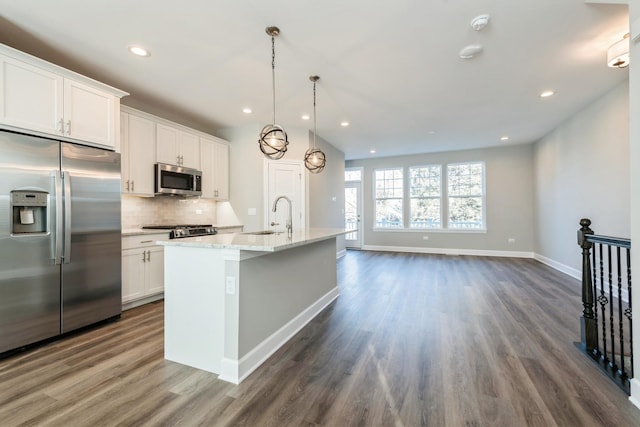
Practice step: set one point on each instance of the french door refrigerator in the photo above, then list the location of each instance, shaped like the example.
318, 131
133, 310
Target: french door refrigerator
60, 238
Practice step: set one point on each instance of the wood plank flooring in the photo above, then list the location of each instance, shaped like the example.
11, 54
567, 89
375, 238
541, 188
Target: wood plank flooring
413, 340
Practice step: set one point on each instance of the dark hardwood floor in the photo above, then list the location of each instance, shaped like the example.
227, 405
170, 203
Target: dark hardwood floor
412, 340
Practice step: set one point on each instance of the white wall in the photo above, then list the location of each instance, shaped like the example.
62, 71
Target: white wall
509, 202
247, 179
582, 171
634, 159
326, 191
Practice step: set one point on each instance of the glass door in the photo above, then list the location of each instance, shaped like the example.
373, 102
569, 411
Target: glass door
352, 214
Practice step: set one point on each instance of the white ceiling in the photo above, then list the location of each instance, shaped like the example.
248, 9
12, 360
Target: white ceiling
390, 68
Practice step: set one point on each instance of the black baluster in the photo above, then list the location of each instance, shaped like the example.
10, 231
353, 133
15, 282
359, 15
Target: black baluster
628, 312
588, 328
620, 323
612, 330
602, 299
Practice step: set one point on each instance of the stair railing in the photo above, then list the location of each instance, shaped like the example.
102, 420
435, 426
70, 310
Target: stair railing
606, 281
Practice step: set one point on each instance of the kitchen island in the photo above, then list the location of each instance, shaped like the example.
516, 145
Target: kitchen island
232, 300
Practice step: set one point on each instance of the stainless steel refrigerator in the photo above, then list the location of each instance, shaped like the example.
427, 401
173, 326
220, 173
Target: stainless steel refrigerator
60, 238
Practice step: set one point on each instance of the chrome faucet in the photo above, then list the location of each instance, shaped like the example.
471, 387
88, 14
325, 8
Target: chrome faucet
289, 220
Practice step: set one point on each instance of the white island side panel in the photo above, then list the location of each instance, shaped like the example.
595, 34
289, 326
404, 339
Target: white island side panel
194, 307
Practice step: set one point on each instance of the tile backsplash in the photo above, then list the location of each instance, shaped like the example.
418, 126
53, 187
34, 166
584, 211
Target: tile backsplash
139, 211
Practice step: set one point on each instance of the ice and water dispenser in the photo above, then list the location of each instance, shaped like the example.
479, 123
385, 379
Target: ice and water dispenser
29, 210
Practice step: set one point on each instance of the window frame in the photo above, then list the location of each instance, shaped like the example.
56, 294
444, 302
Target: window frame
482, 196
376, 198
411, 198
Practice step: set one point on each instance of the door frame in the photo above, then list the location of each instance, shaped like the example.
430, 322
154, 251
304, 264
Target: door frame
303, 190
356, 244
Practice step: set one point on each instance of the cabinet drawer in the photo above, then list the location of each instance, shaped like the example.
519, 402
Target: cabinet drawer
142, 240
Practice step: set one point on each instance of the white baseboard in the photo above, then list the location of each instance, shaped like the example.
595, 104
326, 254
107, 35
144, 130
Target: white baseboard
234, 371
341, 253
635, 392
142, 301
449, 251
576, 274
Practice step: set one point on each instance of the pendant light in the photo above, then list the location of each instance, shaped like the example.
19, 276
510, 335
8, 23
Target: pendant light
273, 139
314, 159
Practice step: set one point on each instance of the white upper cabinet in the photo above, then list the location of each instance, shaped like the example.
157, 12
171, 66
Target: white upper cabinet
177, 147
89, 114
214, 161
138, 148
47, 99
31, 97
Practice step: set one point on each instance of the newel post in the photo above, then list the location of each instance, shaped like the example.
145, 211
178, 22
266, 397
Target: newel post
588, 330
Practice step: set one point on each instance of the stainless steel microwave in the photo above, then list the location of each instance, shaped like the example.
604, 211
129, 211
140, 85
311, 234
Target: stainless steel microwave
177, 180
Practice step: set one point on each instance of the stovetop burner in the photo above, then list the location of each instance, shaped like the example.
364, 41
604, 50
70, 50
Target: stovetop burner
185, 230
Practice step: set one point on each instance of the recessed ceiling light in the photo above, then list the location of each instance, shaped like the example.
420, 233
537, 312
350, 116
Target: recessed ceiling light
504, 138
470, 51
547, 93
247, 110
432, 132
140, 51
372, 151
305, 117
344, 124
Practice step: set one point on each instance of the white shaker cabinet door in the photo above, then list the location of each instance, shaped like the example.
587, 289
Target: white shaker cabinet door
31, 97
221, 156
89, 114
140, 156
133, 274
155, 271
167, 144
189, 149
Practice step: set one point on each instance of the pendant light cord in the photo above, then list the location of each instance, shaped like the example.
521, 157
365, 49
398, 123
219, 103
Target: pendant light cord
314, 115
273, 75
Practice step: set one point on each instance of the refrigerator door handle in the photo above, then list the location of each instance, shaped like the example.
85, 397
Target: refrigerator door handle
57, 252
66, 179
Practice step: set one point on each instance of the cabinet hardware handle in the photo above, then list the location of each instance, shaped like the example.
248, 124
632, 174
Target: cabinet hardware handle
149, 256
146, 241
132, 185
127, 185
144, 257
68, 127
61, 126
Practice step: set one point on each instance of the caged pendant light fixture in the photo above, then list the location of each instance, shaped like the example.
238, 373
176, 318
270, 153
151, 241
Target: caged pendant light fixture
314, 159
273, 139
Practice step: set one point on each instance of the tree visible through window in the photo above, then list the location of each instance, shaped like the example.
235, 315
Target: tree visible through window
425, 186
389, 198
465, 191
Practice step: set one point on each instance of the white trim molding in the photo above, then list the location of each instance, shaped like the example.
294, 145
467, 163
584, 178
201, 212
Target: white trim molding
234, 371
570, 271
449, 251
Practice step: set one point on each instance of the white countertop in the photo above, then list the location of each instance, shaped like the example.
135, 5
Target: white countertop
259, 243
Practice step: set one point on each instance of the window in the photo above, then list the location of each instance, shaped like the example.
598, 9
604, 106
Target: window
389, 198
425, 187
353, 175
465, 191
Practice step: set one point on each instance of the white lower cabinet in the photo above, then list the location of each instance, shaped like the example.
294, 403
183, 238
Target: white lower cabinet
142, 269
